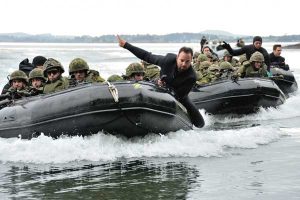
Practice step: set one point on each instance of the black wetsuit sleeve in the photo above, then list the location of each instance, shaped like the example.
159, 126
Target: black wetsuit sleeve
237, 52
145, 55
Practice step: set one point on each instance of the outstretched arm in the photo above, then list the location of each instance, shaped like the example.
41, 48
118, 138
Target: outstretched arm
121, 41
141, 53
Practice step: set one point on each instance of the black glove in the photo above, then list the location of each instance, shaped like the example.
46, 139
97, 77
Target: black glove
226, 45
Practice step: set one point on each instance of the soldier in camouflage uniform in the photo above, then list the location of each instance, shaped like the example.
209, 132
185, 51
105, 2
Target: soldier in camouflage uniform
195, 57
201, 58
53, 71
135, 72
226, 69
152, 72
211, 74
37, 81
242, 59
18, 85
255, 67
81, 73
229, 58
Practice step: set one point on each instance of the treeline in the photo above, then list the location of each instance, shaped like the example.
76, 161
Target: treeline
147, 38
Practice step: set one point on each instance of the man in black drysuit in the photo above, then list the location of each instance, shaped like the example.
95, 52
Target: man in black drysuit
178, 75
250, 49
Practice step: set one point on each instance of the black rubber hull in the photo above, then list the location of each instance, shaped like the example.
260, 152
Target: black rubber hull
142, 109
287, 83
242, 97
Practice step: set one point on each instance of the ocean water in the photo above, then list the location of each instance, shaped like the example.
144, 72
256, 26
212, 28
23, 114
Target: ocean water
253, 156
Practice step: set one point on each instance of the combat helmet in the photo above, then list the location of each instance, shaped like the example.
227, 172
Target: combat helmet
37, 73
114, 78
257, 57
78, 64
202, 57
243, 58
18, 74
226, 53
226, 66
214, 68
52, 64
134, 68
205, 65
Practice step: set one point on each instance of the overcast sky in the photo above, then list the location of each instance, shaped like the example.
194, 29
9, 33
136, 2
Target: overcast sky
100, 17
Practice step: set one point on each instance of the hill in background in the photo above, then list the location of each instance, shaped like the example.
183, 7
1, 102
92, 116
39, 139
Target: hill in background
146, 38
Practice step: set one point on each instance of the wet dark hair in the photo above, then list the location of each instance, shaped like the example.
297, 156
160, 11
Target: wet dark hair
186, 50
275, 46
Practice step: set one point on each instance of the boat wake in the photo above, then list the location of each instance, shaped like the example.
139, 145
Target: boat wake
105, 147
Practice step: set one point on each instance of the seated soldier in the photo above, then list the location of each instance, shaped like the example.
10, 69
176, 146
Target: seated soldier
255, 67
229, 58
135, 72
36, 81
18, 85
53, 71
24, 66
81, 73
152, 72
201, 58
226, 69
195, 57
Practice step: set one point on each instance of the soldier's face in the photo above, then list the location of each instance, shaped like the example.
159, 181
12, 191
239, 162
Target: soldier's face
183, 61
227, 58
18, 84
36, 82
138, 76
80, 75
257, 65
53, 75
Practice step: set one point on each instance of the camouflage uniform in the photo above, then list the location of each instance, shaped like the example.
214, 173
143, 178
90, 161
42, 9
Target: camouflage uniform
208, 73
247, 70
61, 83
242, 59
78, 64
195, 57
18, 93
234, 62
226, 69
37, 73
201, 58
152, 72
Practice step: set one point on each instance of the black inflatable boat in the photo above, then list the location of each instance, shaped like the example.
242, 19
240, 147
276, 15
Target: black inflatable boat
243, 96
125, 108
285, 80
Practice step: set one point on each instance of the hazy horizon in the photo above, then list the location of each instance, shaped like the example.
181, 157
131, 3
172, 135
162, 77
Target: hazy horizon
127, 17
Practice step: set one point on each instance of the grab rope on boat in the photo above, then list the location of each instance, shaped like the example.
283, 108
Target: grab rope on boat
114, 91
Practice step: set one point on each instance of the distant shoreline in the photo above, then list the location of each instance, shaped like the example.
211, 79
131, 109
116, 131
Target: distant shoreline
145, 38
292, 46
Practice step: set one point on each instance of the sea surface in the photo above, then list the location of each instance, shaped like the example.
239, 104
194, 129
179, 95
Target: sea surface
253, 156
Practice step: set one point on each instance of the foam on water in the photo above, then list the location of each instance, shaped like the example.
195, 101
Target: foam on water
101, 147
